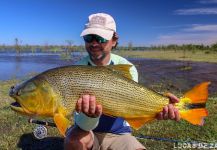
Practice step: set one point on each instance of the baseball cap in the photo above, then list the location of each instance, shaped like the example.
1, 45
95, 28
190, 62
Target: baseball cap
100, 24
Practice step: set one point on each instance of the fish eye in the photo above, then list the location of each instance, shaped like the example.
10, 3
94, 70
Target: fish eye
19, 92
30, 86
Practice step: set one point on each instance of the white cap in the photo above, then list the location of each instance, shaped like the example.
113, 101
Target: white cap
100, 24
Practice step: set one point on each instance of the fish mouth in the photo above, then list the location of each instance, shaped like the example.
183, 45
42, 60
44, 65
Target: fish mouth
17, 107
15, 104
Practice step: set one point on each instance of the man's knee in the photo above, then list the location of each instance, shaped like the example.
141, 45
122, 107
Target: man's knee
73, 144
79, 139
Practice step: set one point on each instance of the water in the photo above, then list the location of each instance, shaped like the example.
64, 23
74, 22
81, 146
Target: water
156, 74
175, 76
18, 67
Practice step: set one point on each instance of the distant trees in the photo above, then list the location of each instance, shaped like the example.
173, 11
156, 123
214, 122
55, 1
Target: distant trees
130, 45
188, 47
17, 46
69, 47
214, 47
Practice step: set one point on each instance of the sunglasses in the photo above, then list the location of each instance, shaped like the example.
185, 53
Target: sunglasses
90, 37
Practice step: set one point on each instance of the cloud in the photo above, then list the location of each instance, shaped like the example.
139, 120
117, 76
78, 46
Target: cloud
207, 28
187, 38
171, 26
197, 11
208, 1
196, 34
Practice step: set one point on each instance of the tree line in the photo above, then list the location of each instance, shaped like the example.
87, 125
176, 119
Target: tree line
187, 47
70, 47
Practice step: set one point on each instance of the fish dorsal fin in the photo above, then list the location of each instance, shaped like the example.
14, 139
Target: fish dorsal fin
123, 69
137, 123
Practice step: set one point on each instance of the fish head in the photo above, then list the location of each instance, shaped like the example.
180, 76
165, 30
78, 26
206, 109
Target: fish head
33, 97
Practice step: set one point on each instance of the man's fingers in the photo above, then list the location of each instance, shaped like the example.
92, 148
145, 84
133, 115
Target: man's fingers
92, 105
85, 103
98, 110
165, 112
159, 116
171, 111
78, 105
177, 115
173, 98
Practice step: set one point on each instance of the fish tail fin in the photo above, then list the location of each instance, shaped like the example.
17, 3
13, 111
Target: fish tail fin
192, 105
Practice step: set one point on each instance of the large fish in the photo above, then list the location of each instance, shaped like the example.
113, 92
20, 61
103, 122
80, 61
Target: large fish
53, 93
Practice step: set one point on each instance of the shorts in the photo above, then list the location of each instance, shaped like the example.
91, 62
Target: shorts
109, 141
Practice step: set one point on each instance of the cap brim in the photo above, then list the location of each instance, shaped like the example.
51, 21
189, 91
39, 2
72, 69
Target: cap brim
106, 34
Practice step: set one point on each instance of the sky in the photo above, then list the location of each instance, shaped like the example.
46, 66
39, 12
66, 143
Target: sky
140, 22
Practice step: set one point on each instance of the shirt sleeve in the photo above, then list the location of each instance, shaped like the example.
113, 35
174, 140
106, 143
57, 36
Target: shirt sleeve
134, 73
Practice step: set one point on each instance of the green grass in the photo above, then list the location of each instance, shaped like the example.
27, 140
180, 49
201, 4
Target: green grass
16, 132
181, 130
200, 56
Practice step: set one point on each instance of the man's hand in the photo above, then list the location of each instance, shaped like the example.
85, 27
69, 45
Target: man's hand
169, 111
87, 104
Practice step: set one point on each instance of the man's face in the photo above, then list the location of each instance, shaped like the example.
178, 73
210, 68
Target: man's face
98, 47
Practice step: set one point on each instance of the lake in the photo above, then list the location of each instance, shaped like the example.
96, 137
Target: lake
154, 73
18, 67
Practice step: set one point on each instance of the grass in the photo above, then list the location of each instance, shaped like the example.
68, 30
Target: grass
16, 132
200, 56
182, 130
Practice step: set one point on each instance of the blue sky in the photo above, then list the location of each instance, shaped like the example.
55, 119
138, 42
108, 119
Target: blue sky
142, 22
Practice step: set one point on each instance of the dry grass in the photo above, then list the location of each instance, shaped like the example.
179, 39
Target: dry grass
200, 56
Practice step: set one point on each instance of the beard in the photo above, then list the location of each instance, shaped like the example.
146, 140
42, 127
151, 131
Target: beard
97, 57
96, 53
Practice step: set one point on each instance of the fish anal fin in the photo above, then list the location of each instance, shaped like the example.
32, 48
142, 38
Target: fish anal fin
137, 123
199, 93
62, 123
123, 69
194, 116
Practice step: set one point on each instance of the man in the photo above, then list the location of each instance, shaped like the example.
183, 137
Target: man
94, 130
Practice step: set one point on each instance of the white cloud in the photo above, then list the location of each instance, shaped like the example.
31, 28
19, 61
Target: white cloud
208, 1
171, 26
196, 34
197, 11
207, 28
187, 38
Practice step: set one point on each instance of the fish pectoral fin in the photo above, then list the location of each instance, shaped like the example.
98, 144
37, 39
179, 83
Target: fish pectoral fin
137, 123
123, 69
62, 123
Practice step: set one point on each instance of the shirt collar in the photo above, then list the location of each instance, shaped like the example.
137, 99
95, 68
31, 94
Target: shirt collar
92, 63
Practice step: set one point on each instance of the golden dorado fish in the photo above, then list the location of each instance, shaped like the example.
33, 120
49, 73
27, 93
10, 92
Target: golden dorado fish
54, 93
